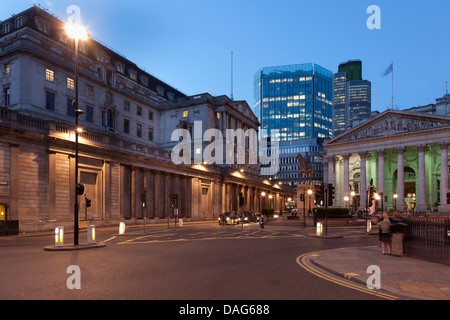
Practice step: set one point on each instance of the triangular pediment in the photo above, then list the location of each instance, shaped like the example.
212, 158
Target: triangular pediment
391, 123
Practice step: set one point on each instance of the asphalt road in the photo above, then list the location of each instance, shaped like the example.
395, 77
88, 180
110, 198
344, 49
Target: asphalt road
197, 262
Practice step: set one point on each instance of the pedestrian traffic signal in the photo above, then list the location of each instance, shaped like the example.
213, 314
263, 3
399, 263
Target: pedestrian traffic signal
330, 195
302, 197
88, 203
143, 197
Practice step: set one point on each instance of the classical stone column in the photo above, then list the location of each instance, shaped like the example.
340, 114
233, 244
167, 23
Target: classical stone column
421, 201
346, 175
363, 182
330, 170
381, 172
400, 179
444, 207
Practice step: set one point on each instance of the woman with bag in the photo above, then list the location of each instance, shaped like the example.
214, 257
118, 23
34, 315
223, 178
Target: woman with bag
385, 233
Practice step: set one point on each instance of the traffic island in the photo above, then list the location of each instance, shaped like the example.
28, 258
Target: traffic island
75, 247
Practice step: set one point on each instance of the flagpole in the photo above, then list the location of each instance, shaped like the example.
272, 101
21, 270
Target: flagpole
392, 86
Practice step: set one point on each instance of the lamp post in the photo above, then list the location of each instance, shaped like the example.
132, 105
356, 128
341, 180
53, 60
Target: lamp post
395, 196
77, 33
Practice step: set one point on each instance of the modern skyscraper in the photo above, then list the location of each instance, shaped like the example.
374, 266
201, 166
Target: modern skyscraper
296, 100
352, 96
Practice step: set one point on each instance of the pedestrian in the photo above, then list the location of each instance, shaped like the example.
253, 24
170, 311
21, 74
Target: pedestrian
315, 216
385, 233
398, 232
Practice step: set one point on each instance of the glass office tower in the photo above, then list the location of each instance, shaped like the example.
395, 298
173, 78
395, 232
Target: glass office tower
296, 100
352, 97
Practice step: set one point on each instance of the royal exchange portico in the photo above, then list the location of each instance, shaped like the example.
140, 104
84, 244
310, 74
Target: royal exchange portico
401, 153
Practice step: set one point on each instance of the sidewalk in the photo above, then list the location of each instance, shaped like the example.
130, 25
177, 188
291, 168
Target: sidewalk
413, 278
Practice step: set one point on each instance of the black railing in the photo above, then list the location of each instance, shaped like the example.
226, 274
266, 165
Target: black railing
428, 239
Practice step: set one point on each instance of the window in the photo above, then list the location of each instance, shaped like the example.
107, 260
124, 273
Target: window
139, 111
50, 100
150, 134
108, 119
49, 75
70, 109
7, 94
109, 99
70, 84
42, 26
126, 125
139, 130
89, 91
126, 106
7, 70
185, 113
150, 115
133, 74
19, 22
89, 114
6, 28
120, 68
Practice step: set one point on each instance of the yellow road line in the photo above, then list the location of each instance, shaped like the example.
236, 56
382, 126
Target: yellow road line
301, 261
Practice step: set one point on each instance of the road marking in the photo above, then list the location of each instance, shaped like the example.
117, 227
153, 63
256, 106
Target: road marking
301, 261
140, 240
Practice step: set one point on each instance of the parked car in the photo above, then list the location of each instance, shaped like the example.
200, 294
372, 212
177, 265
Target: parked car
249, 216
230, 217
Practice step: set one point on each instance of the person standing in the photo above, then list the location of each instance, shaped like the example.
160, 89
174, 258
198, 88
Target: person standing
398, 232
385, 233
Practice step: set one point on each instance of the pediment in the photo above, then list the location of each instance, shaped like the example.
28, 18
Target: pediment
391, 123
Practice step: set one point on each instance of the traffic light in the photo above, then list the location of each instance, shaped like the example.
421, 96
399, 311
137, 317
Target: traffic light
88, 203
319, 193
174, 200
448, 197
302, 197
241, 199
143, 197
330, 195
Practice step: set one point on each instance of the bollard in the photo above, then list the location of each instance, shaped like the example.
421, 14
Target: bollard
122, 228
59, 236
180, 222
91, 234
319, 228
368, 226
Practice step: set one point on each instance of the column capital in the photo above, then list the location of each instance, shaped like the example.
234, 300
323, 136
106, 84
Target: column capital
363, 154
400, 149
422, 147
346, 156
380, 151
444, 144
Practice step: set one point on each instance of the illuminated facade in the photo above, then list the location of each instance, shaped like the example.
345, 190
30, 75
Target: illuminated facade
294, 99
124, 149
402, 153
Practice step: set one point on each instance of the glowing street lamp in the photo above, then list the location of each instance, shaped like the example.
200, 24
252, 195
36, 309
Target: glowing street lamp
77, 33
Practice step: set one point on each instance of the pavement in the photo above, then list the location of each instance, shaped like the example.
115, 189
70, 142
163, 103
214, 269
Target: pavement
403, 276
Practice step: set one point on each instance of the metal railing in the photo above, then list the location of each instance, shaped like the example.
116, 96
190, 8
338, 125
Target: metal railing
428, 239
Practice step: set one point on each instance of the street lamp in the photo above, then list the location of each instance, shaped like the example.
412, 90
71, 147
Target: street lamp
77, 33
395, 196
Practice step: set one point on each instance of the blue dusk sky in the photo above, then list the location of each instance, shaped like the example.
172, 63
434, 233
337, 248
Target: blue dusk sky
188, 43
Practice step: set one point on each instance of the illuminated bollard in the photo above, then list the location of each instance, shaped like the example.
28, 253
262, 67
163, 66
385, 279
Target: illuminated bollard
91, 234
122, 228
319, 228
59, 236
368, 226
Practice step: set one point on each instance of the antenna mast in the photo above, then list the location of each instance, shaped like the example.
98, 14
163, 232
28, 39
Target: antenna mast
232, 75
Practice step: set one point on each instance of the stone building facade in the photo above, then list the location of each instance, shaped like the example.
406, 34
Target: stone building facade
402, 153
125, 147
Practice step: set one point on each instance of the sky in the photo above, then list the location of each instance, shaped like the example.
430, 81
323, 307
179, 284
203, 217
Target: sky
188, 43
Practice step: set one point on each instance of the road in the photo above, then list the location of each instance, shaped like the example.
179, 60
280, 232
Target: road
195, 262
